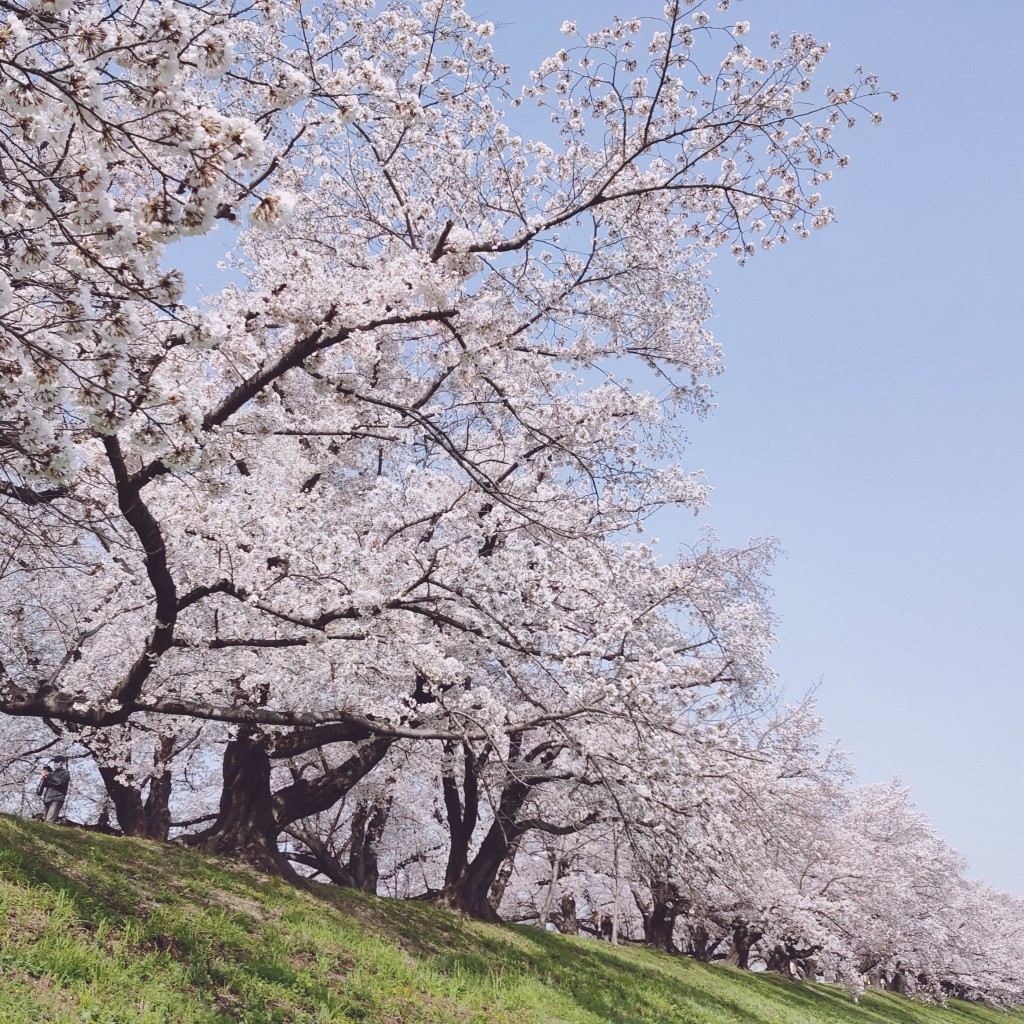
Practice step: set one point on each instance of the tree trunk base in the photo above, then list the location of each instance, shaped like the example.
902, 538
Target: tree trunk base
472, 904
245, 829
253, 851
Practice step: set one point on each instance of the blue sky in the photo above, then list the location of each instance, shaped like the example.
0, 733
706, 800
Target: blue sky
870, 415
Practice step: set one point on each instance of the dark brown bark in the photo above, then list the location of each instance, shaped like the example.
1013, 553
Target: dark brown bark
462, 806
469, 890
660, 926
368, 824
702, 944
252, 816
27, 496
567, 919
47, 701
127, 801
306, 797
165, 608
660, 915
468, 882
149, 818
157, 809
743, 941
793, 961
497, 893
245, 828
360, 869
319, 856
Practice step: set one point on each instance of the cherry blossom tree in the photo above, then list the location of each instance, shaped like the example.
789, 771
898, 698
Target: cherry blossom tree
344, 566
416, 383
980, 956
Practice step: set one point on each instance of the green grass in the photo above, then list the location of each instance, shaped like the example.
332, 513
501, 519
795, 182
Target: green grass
96, 930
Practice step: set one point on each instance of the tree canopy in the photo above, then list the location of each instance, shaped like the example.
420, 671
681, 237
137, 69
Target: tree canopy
361, 533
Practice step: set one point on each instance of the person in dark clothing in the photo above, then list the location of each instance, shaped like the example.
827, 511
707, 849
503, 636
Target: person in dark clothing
53, 787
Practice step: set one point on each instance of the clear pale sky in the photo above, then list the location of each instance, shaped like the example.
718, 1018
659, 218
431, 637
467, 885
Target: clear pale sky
870, 416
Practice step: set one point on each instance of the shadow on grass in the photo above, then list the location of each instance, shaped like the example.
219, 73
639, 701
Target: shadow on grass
626, 985
617, 985
219, 920
118, 875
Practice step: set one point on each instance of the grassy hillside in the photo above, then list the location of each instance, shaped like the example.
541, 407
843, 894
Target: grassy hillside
119, 931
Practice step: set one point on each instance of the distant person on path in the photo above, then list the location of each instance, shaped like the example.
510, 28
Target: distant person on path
53, 787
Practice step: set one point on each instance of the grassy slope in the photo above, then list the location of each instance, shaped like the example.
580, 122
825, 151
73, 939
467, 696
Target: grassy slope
118, 931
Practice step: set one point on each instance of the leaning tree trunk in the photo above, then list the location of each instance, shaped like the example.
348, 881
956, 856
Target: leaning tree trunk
251, 816
792, 961
360, 870
468, 883
308, 796
497, 893
778, 961
305, 798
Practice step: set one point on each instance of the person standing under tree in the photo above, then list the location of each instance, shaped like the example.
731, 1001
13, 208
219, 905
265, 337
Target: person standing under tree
53, 787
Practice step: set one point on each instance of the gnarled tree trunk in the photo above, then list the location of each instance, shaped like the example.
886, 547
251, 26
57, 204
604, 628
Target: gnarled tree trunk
659, 917
245, 828
702, 944
368, 824
468, 882
252, 816
497, 893
743, 941
360, 869
469, 887
567, 920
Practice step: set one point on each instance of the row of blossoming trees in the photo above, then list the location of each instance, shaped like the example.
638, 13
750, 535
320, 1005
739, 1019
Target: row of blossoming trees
342, 569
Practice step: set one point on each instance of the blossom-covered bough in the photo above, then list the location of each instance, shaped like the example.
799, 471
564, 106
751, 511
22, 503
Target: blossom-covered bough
367, 455
378, 501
